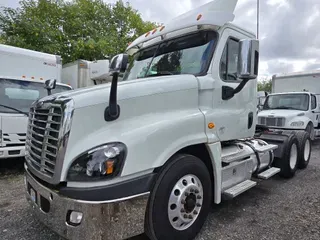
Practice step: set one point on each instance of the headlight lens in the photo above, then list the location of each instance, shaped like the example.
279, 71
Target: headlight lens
297, 124
101, 162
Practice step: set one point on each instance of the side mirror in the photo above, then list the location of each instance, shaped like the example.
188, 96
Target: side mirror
119, 63
50, 84
248, 62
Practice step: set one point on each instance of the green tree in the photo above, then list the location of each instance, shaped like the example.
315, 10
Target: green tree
265, 85
76, 29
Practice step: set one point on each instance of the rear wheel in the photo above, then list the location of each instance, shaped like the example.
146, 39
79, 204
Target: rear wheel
180, 200
305, 149
289, 161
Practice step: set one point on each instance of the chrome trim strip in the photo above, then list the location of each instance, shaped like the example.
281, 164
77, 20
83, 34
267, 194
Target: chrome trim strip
113, 200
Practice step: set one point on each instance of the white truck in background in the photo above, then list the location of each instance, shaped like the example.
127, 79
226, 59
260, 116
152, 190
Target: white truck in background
294, 103
153, 152
22, 76
261, 97
83, 73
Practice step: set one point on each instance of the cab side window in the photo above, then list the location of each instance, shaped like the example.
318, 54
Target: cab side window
313, 102
229, 61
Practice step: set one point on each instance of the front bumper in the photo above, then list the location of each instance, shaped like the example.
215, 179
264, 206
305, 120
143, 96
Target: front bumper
12, 152
117, 219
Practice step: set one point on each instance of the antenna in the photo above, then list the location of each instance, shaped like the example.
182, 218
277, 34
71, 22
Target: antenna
258, 17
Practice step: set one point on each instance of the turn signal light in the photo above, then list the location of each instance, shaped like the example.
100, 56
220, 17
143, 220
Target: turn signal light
109, 167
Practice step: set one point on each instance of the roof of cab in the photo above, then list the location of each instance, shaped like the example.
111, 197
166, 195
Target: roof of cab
216, 12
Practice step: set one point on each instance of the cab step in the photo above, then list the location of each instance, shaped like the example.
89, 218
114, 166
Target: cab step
269, 173
239, 188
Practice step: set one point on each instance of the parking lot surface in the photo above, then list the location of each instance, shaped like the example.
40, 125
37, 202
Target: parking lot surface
278, 208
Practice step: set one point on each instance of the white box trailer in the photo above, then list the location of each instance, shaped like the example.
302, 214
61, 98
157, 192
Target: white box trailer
294, 103
83, 73
28, 64
297, 82
22, 76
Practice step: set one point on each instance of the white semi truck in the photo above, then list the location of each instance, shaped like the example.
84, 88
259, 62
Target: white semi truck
153, 152
22, 76
294, 103
83, 73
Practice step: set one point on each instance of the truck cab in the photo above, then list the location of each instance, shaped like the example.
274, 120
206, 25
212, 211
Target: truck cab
291, 111
155, 150
16, 98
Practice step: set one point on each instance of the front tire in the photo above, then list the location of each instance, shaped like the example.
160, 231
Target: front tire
310, 130
180, 200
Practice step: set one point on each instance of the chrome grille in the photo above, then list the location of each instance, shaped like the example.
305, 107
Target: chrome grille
272, 121
43, 136
47, 136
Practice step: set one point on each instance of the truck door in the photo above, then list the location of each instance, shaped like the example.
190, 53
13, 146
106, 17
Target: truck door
315, 111
237, 116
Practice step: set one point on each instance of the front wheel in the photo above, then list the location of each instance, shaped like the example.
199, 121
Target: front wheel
180, 200
310, 130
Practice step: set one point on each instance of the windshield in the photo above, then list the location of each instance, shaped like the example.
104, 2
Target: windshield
184, 55
287, 101
20, 94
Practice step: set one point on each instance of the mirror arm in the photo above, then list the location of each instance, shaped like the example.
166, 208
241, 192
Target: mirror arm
229, 92
240, 86
49, 92
112, 112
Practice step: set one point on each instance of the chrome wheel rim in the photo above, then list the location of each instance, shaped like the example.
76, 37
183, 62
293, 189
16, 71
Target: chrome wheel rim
185, 202
293, 156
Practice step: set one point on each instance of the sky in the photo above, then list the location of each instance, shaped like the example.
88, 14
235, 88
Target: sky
289, 29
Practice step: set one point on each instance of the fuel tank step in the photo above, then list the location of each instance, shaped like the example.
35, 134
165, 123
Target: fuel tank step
269, 173
239, 188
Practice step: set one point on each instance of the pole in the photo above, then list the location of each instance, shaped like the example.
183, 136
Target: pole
258, 17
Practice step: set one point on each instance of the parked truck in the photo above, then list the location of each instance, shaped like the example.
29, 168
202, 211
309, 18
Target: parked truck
153, 152
22, 76
261, 97
294, 103
83, 73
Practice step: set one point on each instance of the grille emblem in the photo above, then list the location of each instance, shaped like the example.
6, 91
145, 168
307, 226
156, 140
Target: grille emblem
39, 104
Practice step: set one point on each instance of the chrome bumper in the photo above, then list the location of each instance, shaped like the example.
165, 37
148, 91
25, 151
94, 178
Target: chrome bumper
103, 221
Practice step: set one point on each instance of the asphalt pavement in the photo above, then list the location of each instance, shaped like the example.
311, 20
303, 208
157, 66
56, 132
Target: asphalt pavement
280, 209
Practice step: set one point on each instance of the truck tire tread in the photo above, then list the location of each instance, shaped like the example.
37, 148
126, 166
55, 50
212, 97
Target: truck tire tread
157, 225
284, 162
302, 137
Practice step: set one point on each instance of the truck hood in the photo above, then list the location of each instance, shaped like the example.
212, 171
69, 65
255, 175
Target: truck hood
99, 94
280, 113
14, 128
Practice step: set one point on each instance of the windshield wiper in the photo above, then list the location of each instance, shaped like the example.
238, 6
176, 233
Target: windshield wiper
284, 107
14, 109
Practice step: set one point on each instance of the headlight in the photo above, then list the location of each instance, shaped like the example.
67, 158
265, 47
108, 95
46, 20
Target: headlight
99, 163
297, 124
